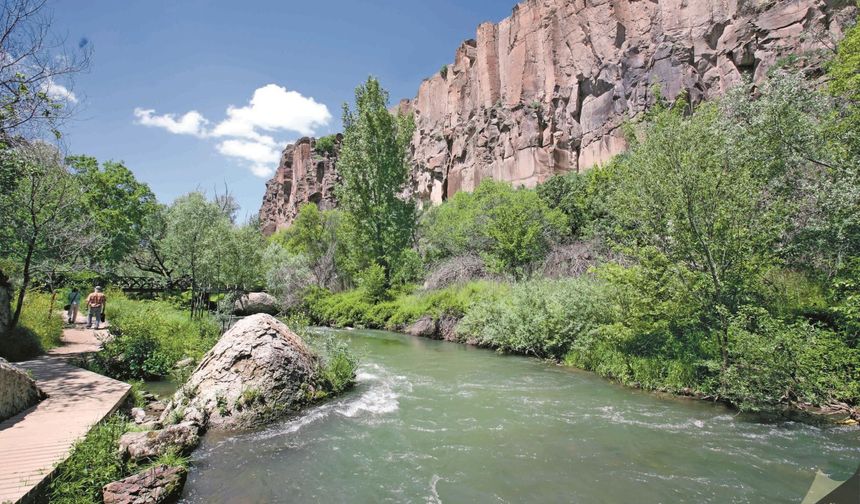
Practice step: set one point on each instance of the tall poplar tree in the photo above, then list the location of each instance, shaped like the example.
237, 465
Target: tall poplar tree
374, 169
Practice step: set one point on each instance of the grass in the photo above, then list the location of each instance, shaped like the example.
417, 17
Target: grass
172, 458
150, 338
354, 308
137, 393
177, 334
39, 329
93, 463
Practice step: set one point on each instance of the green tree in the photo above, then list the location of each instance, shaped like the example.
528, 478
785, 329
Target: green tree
583, 198
315, 234
151, 255
689, 195
42, 226
117, 202
31, 65
374, 170
240, 257
34, 68
511, 228
195, 227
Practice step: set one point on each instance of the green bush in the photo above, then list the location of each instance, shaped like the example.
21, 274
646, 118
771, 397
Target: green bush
791, 294
775, 363
355, 308
92, 463
511, 229
150, 337
344, 309
338, 367
540, 317
326, 145
371, 281
583, 198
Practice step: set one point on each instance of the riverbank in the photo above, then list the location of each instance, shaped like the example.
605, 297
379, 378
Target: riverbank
798, 371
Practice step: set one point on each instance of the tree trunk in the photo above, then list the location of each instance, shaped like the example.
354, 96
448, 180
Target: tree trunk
25, 283
5, 306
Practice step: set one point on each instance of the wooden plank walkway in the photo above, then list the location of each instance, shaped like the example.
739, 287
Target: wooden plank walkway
33, 442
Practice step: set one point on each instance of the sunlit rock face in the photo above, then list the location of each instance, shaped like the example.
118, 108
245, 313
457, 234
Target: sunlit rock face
304, 175
546, 90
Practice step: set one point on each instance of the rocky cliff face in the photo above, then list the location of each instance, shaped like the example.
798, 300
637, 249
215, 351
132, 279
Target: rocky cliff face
304, 175
545, 90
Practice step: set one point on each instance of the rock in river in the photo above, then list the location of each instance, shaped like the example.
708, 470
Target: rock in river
258, 369
155, 485
139, 446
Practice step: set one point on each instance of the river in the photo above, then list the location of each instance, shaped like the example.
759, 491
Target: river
436, 422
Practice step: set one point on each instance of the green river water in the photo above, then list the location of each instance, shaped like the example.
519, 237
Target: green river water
435, 422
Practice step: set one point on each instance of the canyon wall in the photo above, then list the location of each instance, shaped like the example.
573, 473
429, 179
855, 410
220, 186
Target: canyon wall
546, 90
304, 175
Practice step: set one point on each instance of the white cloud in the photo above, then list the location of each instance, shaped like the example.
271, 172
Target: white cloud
262, 157
273, 108
59, 92
248, 131
191, 123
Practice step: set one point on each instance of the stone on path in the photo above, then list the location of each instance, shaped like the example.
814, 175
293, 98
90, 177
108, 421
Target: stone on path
153, 486
258, 369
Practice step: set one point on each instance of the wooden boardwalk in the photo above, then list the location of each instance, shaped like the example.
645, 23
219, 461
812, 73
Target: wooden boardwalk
33, 442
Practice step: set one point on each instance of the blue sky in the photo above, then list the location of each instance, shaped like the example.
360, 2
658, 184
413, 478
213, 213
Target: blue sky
164, 74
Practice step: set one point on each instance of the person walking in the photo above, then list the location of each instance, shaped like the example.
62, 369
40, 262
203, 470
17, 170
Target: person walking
96, 302
74, 300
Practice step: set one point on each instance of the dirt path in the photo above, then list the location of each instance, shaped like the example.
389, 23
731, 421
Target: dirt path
78, 340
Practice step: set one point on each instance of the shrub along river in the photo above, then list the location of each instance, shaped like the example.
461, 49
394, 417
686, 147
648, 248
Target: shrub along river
439, 422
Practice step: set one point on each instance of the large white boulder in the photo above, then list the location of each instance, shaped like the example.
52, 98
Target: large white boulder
258, 370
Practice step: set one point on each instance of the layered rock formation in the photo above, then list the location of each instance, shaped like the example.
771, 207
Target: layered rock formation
304, 175
546, 90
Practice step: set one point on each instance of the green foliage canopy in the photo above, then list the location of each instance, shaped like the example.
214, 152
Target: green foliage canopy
511, 228
374, 167
116, 201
